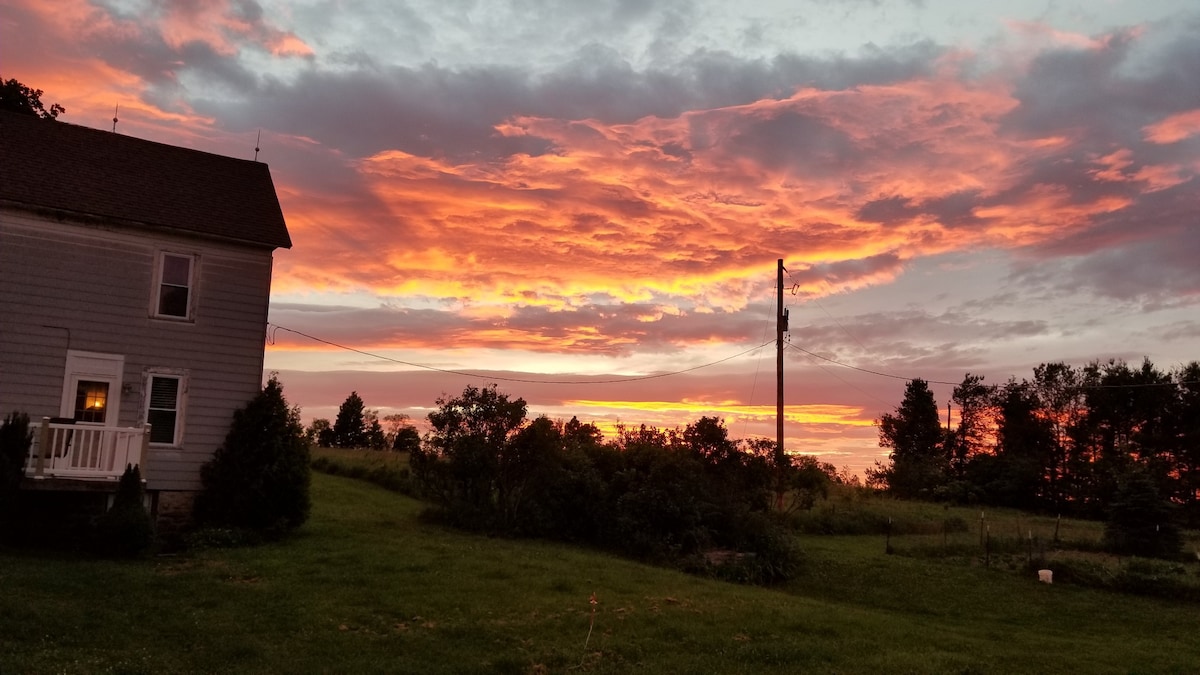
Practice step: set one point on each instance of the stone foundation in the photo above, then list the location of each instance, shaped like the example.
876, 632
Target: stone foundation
173, 511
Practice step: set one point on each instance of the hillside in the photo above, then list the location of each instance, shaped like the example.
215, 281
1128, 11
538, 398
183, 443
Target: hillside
366, 587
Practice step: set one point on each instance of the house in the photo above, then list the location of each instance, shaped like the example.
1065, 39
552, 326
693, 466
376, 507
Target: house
134, 283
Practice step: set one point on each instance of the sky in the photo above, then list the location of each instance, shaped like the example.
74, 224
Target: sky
584, 202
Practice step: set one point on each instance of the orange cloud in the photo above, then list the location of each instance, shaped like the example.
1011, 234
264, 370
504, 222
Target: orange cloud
1174, 128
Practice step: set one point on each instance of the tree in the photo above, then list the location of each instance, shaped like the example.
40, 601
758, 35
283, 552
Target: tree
460, 466
392, 424
259, 478
349, 429
406, 439
1139, 519
16, 97
320, 432
399, 433
919, 462
1186, 414
975, 420
1016, 475
1058, 389
373, 436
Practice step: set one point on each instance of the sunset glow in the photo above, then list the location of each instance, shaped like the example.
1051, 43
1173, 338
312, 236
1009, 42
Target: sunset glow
951, 190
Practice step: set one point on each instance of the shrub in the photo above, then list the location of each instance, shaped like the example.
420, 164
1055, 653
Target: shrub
1139, 520
1136, 576
125, 530
15, 440
259, 477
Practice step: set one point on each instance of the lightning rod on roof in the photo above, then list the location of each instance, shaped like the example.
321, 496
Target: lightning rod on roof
115, 109
256, 148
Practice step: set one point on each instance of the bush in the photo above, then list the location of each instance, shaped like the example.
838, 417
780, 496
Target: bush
125, 530
15, 440
259, 477
1139, 520
1136, 576
667, 497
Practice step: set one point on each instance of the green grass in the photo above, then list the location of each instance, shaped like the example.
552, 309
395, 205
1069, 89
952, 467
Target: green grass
386, 469
365, 587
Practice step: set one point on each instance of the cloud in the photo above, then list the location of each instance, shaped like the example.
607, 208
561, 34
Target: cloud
615, 180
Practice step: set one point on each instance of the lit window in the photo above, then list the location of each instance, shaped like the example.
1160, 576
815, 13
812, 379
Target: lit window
175, 277
91, 401
163, 407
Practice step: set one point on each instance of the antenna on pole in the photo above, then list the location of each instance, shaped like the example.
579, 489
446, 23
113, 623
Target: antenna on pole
256, 148
115, 109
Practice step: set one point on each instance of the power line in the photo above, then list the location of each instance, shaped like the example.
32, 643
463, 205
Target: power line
853, 386
633, 378
758, 363
864, 370
1133, 385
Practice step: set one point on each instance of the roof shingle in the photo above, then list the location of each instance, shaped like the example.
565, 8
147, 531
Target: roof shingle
50, 165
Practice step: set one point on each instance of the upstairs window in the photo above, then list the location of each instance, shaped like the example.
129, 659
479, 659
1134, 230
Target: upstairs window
176, 286
164, 408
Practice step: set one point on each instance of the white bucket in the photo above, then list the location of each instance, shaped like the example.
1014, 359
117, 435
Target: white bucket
1046, 576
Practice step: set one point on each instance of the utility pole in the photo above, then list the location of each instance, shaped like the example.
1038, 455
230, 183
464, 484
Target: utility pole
780, 327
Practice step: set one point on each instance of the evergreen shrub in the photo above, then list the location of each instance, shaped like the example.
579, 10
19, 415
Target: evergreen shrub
259, 477
125, 530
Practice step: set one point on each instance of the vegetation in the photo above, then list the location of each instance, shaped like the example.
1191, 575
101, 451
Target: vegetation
692, 498
16, 97
1058, 443
919, 457
389, 470
357, 427
258, 479
366, 586
15, 440
1139, 521
125, 529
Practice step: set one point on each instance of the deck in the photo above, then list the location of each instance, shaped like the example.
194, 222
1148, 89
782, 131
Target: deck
83, 453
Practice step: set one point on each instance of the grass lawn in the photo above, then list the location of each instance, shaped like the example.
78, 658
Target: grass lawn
364, 587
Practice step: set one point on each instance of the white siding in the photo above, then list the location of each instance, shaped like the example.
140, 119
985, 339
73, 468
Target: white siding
90, 288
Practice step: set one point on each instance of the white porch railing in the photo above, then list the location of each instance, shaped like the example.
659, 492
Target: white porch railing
85, 451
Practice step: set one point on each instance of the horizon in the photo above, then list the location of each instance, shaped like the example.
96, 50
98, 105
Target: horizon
600, 192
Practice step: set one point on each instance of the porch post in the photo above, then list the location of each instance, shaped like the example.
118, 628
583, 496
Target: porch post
43, 448
145, 449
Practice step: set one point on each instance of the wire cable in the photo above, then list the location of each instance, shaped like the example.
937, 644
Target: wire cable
864, 370
498, 378
1137, 385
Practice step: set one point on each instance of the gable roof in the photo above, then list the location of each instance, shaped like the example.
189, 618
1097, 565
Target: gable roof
91, 174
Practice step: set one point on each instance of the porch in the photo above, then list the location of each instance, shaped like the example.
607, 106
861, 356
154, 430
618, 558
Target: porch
65, 452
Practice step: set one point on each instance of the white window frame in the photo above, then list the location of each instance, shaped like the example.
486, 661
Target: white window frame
180, 402
156, 294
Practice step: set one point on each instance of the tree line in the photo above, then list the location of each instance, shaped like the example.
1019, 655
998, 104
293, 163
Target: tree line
1069, 440
358, 427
